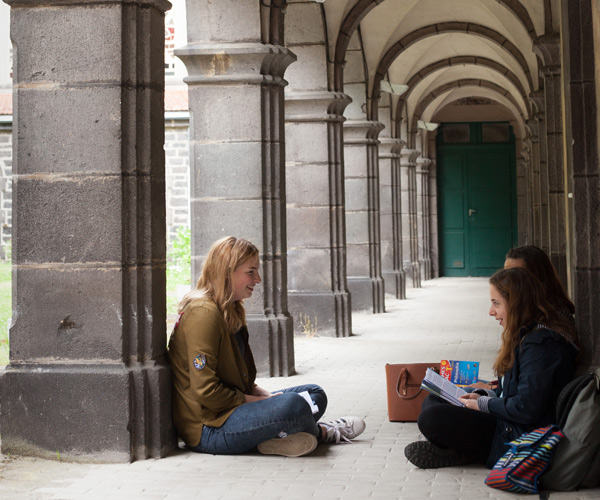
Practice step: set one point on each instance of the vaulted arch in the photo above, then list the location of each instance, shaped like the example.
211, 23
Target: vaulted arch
451, 27
465, 61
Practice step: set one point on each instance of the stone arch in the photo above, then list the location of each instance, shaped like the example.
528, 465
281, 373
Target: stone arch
465, 60
429, 98
450, 27
362, 7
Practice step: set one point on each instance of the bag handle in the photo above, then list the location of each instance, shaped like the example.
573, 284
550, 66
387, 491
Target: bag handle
402, 385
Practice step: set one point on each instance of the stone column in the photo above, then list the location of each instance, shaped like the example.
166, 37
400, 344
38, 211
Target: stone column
547, 47
88, 376
543, 239
409, 220
582, 150
363, 247
523, 207
533, 181
433, 220
319, 300
422, 194
237, 161
391, 223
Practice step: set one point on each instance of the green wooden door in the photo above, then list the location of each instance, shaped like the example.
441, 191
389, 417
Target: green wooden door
476, 207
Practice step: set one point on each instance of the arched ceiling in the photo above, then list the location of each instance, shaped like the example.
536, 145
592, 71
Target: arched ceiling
443, 50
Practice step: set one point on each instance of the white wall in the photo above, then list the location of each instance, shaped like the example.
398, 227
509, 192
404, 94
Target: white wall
5, 46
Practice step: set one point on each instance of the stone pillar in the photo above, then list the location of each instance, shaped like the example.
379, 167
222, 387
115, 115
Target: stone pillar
433, 221
409, 215
523, 207
236, 99
543, 239
363, 247
533, 181
547, 47
582, 150
422, 194
88, 376
319, 300
393, 273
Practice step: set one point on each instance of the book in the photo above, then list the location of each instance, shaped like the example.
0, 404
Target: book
438, 385
314, 408
460, 373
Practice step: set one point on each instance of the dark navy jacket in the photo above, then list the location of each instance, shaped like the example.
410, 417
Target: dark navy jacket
544, 364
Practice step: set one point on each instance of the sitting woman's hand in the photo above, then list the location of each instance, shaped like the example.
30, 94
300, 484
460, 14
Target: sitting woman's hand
484, 385
470, 400
259, 394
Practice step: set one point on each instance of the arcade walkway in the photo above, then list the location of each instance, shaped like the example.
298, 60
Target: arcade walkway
447, 318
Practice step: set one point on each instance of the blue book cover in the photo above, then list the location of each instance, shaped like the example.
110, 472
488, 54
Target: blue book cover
460, 372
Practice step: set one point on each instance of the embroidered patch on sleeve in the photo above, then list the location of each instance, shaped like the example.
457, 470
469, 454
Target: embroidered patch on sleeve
200, 361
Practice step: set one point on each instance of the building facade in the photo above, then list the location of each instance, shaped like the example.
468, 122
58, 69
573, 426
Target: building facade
363, 145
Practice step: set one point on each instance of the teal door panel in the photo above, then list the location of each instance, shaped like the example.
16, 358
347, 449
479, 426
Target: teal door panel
454, 255
488, 250
453, 209
476, 208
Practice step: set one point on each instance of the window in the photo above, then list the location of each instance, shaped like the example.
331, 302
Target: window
495, 132
456, 133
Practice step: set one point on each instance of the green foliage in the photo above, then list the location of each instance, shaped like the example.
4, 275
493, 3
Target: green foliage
178, 266
5, 309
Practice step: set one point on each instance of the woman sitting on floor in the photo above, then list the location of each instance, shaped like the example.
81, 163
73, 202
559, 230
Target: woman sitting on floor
217, 407
535, 361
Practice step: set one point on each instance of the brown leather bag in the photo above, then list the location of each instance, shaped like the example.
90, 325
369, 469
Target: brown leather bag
404, 393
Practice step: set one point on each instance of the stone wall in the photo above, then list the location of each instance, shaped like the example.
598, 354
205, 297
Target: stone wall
177, 165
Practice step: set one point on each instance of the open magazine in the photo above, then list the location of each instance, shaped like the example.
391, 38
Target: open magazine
438, 385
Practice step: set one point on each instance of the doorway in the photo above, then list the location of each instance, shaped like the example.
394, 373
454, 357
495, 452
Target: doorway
477, 209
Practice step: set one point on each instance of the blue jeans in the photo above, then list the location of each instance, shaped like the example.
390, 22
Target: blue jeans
253, 423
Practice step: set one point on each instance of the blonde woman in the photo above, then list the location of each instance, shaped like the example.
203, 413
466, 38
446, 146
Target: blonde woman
217, 407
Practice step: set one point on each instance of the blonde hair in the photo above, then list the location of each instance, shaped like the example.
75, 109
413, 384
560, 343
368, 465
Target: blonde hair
216, 279
526, 302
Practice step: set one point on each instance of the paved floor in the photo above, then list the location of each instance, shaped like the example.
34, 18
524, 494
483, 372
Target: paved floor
447, 318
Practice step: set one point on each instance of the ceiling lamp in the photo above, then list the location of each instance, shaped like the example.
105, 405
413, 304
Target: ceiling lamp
429, 126
392, 88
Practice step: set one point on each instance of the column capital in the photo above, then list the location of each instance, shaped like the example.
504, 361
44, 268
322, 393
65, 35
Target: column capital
409, 157
423, 165
390, 148
315, 106
538, 99
362, 131
162, 5
533, 127
210, 64
547, 47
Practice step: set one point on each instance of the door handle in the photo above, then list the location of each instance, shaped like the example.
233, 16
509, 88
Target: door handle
472, 211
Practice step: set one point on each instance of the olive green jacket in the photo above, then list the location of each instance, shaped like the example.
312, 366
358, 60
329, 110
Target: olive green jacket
210, 377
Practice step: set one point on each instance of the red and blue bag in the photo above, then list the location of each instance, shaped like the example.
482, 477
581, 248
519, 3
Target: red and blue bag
519, 469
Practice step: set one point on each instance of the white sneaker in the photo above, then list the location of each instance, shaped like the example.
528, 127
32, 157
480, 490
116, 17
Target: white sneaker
343, 429
292, 445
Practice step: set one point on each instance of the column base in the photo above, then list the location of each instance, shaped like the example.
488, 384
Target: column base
321, 314
87, 413
367, 294
272, 342
395, 283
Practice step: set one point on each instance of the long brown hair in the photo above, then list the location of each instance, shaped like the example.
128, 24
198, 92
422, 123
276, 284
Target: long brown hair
216, 279
526, 302
540, 265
